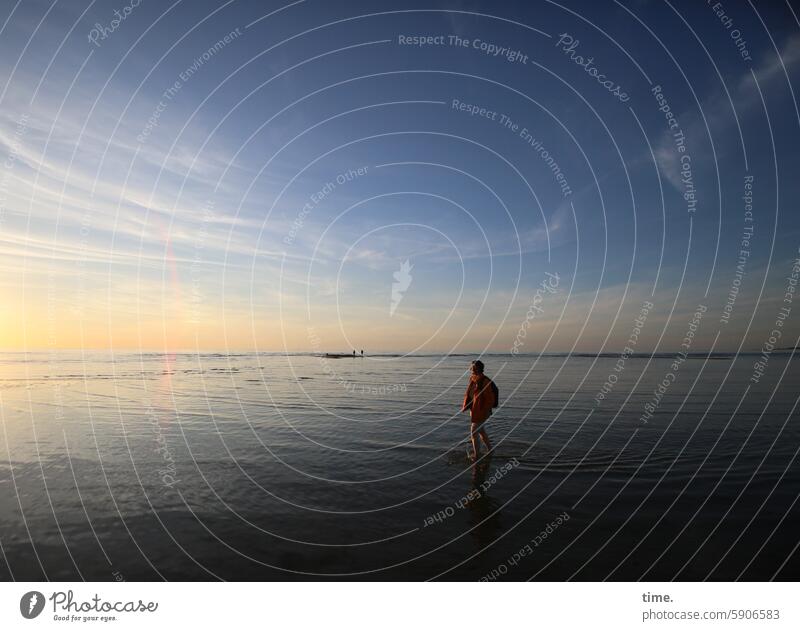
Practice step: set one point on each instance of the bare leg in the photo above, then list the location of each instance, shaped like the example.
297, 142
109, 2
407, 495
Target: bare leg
485, 438
473, 436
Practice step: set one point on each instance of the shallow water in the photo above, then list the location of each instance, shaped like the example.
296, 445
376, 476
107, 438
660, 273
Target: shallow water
278, 467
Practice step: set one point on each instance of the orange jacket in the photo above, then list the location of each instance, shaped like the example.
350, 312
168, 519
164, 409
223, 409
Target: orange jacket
479, 398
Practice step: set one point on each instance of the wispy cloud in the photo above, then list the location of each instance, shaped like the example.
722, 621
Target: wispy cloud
716, 108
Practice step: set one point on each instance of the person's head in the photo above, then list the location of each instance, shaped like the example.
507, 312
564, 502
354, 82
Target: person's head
477, 367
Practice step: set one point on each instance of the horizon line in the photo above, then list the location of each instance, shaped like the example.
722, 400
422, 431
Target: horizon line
384, 352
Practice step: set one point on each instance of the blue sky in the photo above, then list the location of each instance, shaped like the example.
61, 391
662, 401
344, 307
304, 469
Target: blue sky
211, 225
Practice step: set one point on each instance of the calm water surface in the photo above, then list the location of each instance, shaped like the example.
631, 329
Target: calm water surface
283, 467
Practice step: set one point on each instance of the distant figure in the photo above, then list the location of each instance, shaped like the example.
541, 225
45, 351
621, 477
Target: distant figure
480, 398
354, 352
362, 352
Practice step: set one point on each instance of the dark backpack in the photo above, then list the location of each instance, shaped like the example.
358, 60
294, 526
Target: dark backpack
496, 394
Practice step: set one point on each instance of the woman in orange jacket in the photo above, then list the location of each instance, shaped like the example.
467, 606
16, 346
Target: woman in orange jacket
480, 398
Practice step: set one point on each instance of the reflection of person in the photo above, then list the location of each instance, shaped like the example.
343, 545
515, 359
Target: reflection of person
484, 510
479, 470
480, 398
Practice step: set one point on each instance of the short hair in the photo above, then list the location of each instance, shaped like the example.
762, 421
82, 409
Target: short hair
478, 365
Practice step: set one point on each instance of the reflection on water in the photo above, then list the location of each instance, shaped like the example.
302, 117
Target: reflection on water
485, 512
269, 466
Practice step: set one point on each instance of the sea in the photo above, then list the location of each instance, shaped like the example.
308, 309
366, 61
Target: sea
271, 466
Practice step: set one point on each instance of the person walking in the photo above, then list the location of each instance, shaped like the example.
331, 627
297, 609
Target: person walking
481, 396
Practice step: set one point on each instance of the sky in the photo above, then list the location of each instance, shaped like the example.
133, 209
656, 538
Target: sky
451, 176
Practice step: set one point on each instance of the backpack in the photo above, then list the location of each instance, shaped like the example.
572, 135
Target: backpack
496, 394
